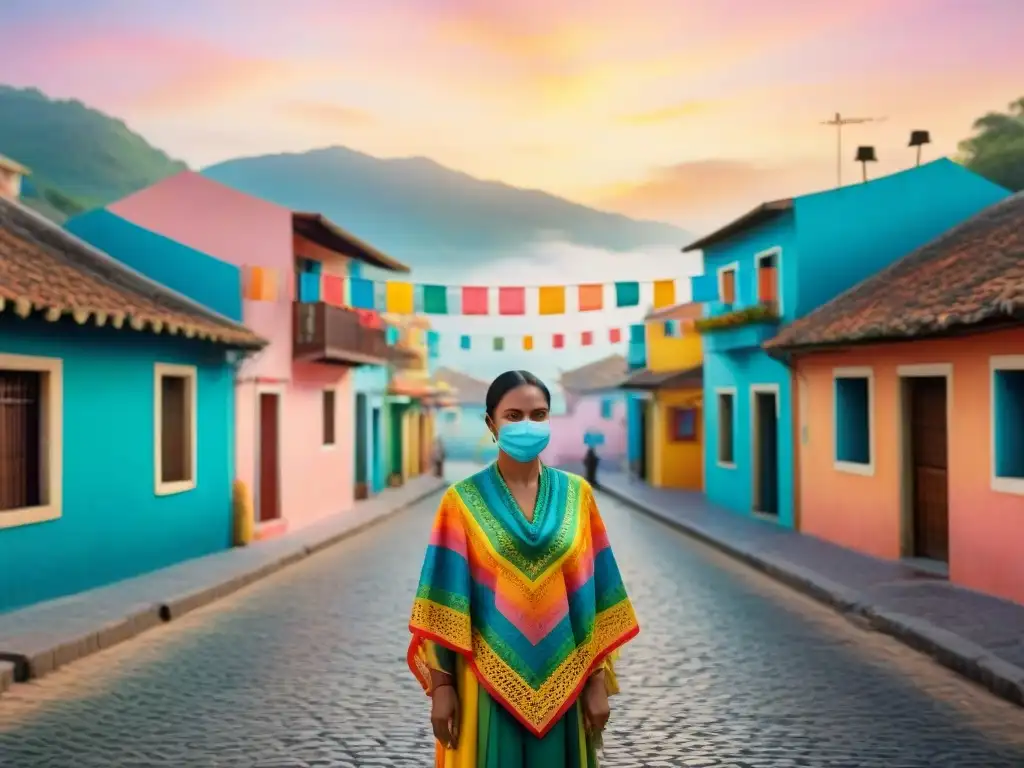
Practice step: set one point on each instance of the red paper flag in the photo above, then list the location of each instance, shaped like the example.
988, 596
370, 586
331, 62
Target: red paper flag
511, 301
557, 340
615, 335
334, 290
586, 338
474, 300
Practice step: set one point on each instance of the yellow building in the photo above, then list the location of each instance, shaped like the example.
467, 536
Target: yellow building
666, 419
411, 397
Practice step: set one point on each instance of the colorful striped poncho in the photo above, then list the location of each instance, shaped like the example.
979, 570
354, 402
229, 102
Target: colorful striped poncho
530, 607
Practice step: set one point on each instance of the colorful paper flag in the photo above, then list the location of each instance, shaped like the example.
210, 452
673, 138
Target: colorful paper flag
615, 335
474, 300
260, 284
464, 342
664, 293
627, 294
527, 343
435, 299
591, 297
558, 341
309, 287
499, 344
361, 291
586, 338
334, 290
551, 300
433, 343
391, 335
511, 301
398, 297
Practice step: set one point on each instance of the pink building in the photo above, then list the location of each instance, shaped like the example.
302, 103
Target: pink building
594, 406
294, 422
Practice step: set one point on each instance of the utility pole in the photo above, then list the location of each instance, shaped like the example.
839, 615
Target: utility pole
839, 121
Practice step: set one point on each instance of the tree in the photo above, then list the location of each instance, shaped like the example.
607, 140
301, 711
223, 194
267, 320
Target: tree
996, 150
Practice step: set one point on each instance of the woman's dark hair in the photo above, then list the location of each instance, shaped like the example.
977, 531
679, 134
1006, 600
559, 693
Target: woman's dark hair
508, 381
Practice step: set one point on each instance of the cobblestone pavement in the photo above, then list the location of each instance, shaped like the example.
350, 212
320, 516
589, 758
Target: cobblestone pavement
307, 669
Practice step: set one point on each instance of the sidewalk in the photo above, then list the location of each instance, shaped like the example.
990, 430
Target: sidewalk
36, 640
978, 636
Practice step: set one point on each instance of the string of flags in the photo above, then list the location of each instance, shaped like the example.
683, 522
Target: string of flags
405, 298
634, 334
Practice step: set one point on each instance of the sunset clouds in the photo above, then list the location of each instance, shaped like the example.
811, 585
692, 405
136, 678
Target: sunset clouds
677, 109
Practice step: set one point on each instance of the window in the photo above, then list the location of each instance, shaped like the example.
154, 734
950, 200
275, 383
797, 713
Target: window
768, 277
328, 418
853, 420
607, 408
1008, 424
452, 416
726, 428
727, 285
682, 424
30, 439
175, 429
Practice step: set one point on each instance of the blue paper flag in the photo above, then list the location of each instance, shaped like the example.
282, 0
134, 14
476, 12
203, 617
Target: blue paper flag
361, 293
464, 342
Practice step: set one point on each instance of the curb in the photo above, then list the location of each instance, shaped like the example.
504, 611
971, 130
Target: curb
968, 659
39, 655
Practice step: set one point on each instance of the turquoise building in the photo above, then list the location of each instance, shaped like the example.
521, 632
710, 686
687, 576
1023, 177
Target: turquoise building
117, 442
775, 264
371, 450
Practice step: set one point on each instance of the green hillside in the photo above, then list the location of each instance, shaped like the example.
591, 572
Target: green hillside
80, 158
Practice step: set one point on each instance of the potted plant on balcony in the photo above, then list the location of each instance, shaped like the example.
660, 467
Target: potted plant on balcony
759, 313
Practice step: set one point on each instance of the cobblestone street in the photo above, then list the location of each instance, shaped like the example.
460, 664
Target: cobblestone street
307, 669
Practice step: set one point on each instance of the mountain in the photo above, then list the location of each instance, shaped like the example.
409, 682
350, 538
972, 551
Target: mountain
80, 158
430, 216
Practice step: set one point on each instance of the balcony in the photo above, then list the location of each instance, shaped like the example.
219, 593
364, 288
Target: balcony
334, 336
739, 330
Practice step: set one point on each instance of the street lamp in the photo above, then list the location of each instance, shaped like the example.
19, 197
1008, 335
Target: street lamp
919, 139
865, 155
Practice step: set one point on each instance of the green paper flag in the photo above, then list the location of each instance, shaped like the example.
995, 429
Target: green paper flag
499, 344
627, 294
435, 299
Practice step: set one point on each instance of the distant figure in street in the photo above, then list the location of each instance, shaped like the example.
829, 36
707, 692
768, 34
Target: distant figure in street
513, 682
439, 457
590, 462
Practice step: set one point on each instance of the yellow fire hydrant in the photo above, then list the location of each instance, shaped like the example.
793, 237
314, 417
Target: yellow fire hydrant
244, 520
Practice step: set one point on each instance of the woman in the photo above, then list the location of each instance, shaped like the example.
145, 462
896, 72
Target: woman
520, 604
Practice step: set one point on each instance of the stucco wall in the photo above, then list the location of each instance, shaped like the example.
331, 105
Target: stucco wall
567, 431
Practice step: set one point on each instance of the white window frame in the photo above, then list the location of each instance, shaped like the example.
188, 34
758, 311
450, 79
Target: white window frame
52, 427
188, 372
323, 394
854, 467
776, 251
734, 267
719, 391
1012, 485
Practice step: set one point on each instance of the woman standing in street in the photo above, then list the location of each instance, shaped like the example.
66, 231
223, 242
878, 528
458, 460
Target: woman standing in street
520, 605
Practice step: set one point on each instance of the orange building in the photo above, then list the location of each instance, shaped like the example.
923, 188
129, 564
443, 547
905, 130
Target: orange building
910, 407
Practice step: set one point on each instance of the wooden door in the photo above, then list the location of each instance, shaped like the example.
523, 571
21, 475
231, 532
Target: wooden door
767, 448
929, 467
269, 461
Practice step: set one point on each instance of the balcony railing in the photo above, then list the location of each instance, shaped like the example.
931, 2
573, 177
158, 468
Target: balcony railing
333, 335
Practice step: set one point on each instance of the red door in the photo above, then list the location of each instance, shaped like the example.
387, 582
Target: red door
929, 462
269, 498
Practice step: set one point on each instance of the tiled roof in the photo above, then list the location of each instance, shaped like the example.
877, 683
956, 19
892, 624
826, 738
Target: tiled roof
680, 379
970, 276
325, 232
45, 268
689, 310
468, 390
607, 373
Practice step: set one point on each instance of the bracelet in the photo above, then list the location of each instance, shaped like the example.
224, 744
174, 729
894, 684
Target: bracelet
443, 685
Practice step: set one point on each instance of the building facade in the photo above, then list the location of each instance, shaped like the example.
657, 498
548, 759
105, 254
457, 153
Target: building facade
462, 425
911, 403
665, 416
116, 417
774, 265
295, 427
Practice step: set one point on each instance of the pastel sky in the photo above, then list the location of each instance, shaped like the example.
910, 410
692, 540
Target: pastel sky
682, 110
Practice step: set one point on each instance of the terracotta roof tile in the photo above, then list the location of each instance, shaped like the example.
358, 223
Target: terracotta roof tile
689, 310
45, 268
607, 373
971, 275
680, 379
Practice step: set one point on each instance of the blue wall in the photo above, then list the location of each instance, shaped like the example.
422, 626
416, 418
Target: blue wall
372, 381
113, 526
202, 278
467, 439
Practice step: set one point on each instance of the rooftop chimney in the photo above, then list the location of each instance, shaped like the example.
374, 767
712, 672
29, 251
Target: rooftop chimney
11, 174
866, 155
919, 139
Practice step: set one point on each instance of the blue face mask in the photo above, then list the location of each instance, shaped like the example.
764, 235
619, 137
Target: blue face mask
524, 440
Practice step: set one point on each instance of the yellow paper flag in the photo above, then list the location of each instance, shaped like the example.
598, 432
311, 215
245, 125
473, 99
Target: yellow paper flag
664, 293
527, 343
398, 297
551, 300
